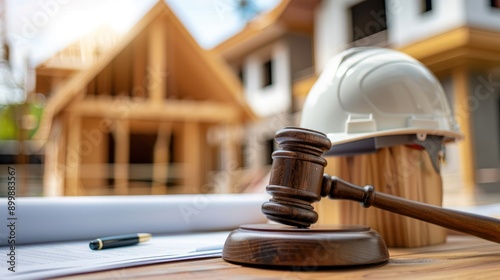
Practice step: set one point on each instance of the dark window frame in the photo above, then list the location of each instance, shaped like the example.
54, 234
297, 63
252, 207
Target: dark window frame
267, 73
368, 18
241, 75
426, 6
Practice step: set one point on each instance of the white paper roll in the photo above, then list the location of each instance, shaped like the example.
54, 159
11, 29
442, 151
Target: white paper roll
77, 218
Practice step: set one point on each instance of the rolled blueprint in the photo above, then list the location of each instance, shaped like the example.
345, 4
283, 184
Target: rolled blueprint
50, 219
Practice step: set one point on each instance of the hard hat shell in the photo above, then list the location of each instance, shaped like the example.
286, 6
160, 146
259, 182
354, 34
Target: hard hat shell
373, 92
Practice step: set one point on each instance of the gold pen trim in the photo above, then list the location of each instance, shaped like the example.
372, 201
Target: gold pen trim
143, 237
100, 244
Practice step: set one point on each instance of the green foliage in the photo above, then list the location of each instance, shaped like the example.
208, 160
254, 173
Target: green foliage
8, 128
8, 124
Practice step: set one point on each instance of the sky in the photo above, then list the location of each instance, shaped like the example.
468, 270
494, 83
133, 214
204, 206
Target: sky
39, 28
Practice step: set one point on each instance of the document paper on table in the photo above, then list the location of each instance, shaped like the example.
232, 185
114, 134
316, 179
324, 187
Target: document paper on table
46, 260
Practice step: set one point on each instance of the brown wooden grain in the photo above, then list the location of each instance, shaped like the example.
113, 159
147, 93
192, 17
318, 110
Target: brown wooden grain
461, 257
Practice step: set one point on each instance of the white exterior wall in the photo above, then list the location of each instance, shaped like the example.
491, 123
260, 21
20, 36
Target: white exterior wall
333, 27
406, 24
481, 15
331, 30
275, 98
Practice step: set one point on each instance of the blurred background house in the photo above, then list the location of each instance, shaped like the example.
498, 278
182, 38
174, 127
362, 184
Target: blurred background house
209, 125
458, 40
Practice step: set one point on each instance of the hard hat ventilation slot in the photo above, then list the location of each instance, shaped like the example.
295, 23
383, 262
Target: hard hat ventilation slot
360, 123
422, 123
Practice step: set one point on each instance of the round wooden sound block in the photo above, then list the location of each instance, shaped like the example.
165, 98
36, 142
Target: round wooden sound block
274, 245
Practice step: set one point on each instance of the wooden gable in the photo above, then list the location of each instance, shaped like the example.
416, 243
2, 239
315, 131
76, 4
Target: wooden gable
183, 73
78, 56
155, 85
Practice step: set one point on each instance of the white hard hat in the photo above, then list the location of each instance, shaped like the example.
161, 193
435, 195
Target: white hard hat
376, 92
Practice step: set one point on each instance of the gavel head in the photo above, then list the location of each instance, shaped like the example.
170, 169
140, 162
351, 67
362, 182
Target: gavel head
296, 176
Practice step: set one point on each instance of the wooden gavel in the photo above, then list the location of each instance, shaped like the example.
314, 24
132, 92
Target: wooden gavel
298, 179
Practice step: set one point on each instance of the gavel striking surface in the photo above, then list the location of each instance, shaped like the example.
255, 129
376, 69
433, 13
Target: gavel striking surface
274, 245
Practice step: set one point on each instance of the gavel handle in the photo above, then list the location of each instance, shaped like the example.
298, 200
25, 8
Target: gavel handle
480, 226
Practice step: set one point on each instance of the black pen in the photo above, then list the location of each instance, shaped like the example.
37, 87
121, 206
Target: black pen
118, 241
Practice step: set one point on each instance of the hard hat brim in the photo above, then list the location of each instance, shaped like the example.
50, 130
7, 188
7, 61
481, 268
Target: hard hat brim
342, 138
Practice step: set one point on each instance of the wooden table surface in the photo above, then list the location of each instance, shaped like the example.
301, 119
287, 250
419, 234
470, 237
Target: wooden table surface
462, 257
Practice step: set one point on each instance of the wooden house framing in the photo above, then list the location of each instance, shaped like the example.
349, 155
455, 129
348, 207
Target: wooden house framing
153, 115
77, 56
